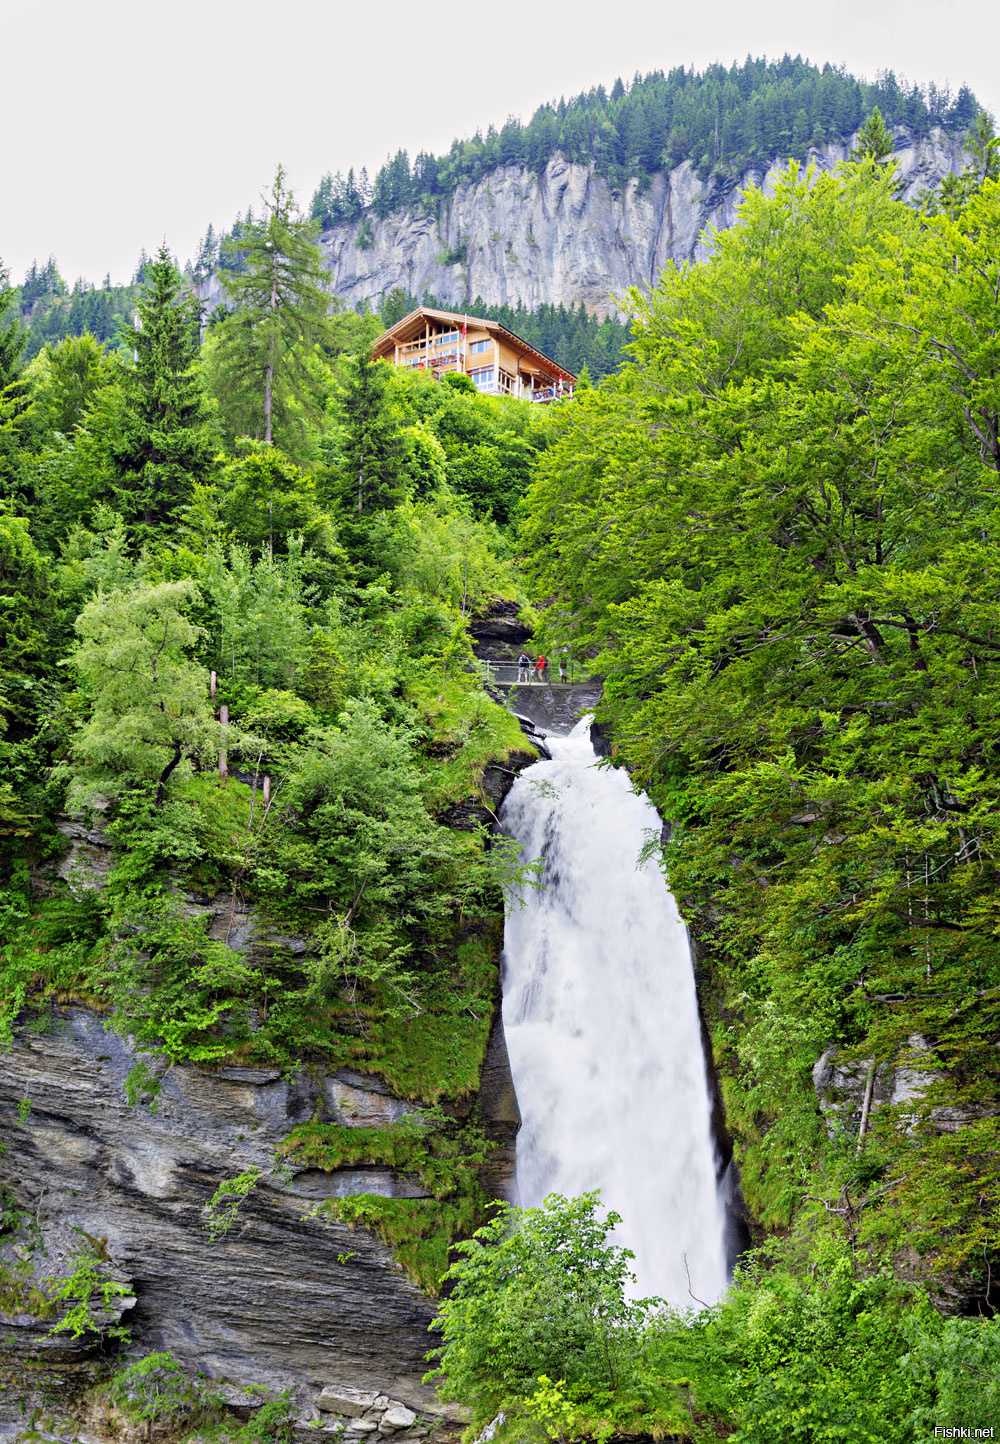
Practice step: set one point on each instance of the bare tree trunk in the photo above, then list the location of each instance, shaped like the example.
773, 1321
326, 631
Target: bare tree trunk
866, 1106
223, 764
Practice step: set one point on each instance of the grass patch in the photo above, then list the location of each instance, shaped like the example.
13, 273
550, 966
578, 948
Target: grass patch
443, 1154
420, 1231
19, 1296
222, 810
468, 731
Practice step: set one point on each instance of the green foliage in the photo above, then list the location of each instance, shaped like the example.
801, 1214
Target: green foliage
264, 500
445, 1156
348, 926
226, 1201
874, 140
779, 534
420, 1231
64, 379
265, 374
468, 732
150, 436
536, 1324
957, 1369
52, 312
537, 1294
94, 1296
148, 700
372, 446
156, 1390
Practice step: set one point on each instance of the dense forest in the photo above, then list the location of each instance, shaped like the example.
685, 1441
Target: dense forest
50, 312
236, 577
719, 119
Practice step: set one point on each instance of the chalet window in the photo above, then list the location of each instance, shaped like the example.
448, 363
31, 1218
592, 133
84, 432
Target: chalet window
445, 336
483, 378
480, 346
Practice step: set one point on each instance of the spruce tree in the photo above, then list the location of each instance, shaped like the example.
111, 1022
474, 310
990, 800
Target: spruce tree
154, 432
874, 140
372, 446
14, 398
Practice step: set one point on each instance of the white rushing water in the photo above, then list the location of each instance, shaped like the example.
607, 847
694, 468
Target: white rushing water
602, 1026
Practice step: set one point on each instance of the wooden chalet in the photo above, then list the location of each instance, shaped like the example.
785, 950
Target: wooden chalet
493, 358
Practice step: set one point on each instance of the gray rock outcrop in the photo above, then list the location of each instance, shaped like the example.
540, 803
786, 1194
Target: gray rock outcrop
840, 1084
567, 235
282, 1300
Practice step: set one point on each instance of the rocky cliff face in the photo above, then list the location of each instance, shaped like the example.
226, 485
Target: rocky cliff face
284, 1299
566, 235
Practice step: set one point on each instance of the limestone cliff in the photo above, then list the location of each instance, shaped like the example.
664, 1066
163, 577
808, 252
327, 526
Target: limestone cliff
566, 235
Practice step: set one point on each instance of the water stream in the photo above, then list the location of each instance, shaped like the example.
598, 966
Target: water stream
602, 1025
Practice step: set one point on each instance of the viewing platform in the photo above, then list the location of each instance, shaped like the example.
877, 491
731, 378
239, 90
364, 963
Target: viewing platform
553, 707
500, 672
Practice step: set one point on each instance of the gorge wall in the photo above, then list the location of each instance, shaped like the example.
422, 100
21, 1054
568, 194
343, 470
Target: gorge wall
566, 235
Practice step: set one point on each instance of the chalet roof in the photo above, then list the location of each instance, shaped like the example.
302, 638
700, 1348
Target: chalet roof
411, 326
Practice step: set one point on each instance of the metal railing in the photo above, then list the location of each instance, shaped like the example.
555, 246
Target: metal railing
502, 673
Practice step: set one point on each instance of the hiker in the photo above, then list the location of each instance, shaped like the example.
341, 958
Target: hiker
562, 668
523, 667
541, 668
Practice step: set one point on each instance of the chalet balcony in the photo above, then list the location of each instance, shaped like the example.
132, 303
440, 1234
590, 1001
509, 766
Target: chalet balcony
496, 361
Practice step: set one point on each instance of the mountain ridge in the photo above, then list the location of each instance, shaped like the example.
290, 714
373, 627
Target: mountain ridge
568, 235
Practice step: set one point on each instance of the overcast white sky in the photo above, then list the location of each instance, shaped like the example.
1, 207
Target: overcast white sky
130, 123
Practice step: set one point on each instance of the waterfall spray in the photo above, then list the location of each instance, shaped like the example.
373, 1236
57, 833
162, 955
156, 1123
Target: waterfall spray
602, 1025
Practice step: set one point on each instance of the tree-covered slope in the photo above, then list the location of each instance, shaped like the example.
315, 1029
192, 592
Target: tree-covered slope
778, 530
248, 768
719, 119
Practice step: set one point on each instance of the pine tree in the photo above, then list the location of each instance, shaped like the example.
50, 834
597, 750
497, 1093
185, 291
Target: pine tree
14, 398
983, 149
281, 304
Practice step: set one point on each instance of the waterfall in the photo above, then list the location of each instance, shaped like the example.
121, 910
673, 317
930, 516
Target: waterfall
602, 1026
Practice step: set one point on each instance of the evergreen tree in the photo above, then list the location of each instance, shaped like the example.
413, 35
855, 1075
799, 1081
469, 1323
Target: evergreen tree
720, 120
281, 305
13, 391
153, 433
373, 449
874, 140
983, 148
65, 378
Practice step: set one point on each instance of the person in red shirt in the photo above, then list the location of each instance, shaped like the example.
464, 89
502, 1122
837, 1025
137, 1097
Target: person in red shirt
541, 668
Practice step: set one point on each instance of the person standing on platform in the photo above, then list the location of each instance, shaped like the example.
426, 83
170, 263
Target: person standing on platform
524, 668
541, 669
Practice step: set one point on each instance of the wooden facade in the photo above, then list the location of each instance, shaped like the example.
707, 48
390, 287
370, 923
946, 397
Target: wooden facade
495, 360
